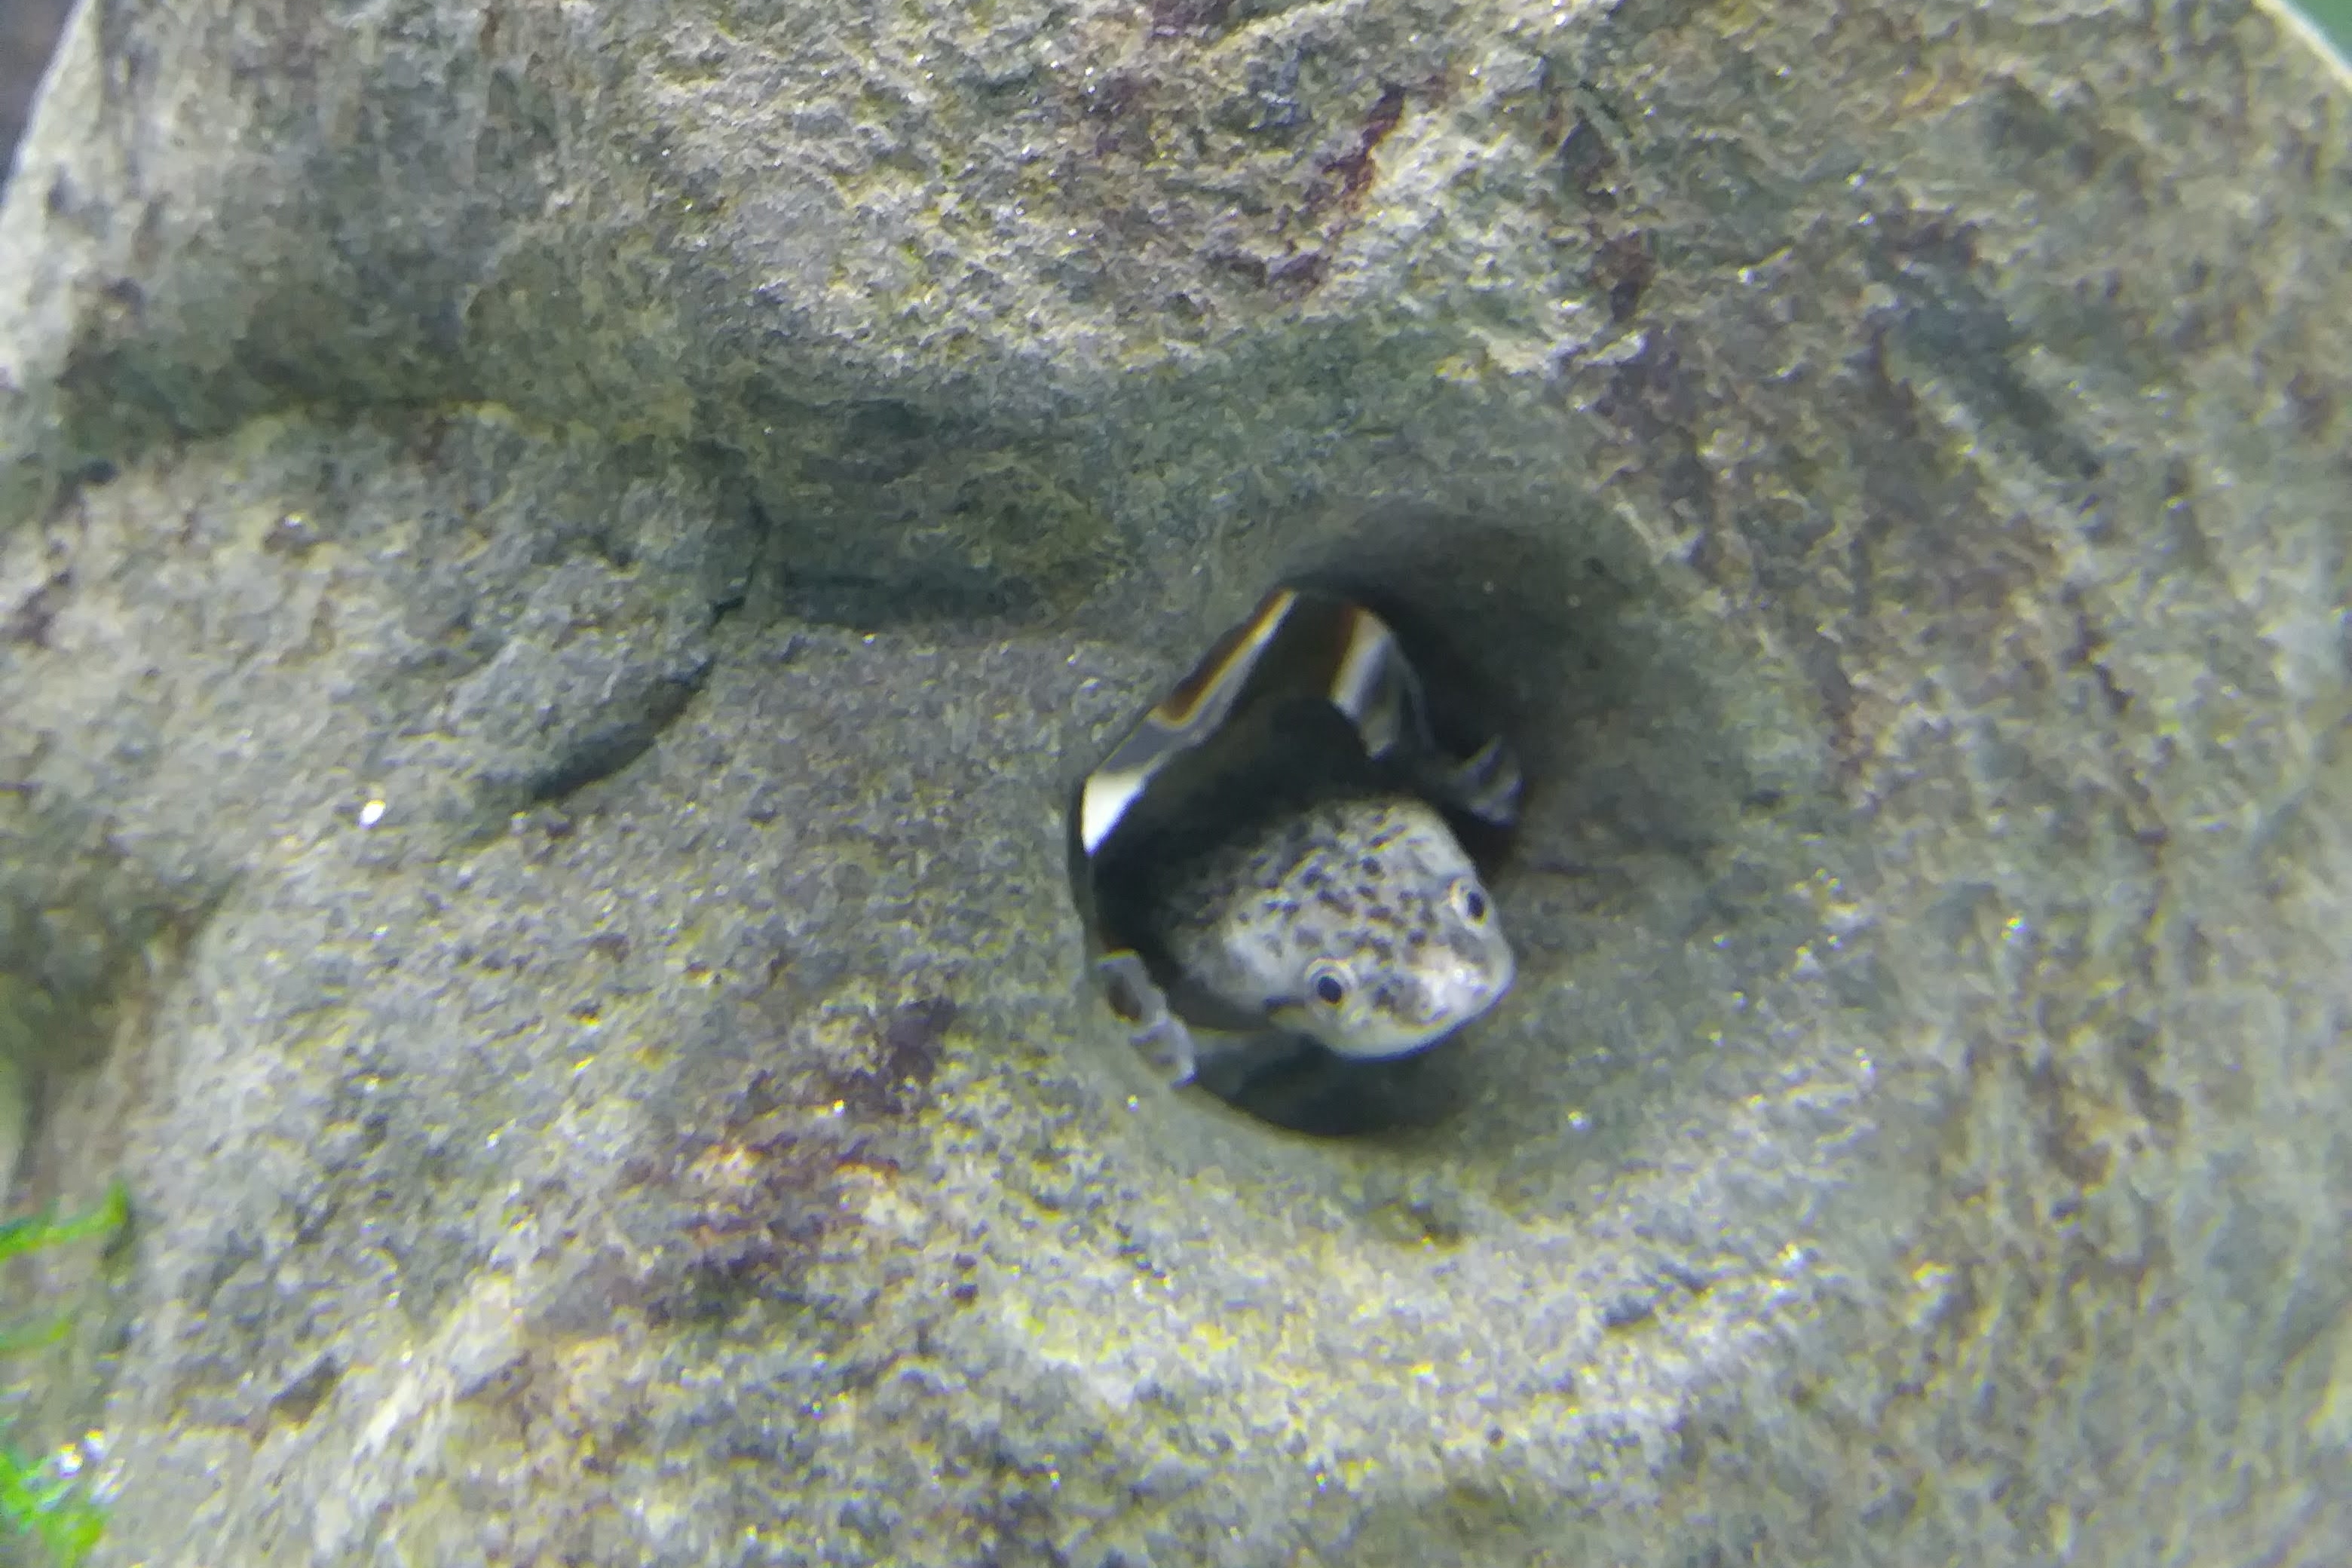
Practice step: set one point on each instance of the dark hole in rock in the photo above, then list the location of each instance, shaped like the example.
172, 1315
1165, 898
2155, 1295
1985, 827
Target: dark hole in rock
1447, 618
300, 1399
1627, 1311
603, 750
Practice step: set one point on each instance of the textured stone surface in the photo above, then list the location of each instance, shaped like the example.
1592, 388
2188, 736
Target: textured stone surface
556, 564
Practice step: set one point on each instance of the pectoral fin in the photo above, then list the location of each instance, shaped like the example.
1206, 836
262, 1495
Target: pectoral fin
1152, 1027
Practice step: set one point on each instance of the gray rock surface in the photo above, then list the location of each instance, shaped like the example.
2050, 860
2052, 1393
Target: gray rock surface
556, 564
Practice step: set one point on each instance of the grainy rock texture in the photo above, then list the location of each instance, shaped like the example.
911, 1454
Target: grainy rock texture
557, 563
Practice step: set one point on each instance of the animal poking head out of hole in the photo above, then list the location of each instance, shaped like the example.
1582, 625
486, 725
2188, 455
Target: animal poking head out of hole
1272, 861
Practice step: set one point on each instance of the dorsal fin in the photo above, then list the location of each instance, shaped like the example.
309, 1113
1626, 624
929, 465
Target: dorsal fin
1296, 644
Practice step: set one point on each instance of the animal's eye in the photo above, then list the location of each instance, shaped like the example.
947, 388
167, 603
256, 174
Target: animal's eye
1470, 899
1329, 982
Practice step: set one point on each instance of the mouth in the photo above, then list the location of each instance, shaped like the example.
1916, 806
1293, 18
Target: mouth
1479, 989
1507, 968
1470, 998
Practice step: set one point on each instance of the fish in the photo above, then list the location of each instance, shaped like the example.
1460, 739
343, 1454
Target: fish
1264, 857
1358, 921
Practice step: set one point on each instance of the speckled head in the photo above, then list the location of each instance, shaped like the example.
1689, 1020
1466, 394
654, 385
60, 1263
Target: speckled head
1359, 923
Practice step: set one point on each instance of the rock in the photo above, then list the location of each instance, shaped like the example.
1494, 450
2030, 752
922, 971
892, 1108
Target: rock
557, 564
583, 692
